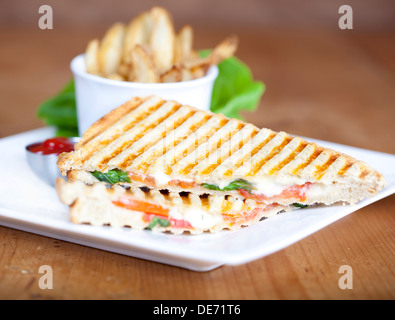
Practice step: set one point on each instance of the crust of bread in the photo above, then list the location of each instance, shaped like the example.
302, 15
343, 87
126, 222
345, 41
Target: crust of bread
108, 120
99, 126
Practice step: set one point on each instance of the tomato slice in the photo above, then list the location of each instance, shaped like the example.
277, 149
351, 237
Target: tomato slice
146, 179
143, 206
182, 184
242, 217
175, 223
180, 223
292, 192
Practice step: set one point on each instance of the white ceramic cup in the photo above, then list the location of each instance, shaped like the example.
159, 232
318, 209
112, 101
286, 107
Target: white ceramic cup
96, 96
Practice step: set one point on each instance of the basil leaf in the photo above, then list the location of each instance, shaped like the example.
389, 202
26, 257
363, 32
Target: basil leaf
155, 221
63, 131
234, 185
234, 89
211, 186
60, 111
299, 205
239, 184
164, 222
102, 176
123, 176
112, 176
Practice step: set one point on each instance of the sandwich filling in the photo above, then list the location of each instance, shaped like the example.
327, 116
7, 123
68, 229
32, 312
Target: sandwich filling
142, 208
193, 218
267, 192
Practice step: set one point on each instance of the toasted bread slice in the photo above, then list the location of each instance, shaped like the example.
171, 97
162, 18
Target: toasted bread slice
120, 206
166, 145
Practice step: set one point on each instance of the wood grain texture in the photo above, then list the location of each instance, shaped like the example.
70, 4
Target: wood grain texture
336, 86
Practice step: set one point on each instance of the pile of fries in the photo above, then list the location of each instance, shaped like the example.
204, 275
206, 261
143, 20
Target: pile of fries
148, 50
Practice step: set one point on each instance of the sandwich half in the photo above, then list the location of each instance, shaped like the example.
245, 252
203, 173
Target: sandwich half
142, 208
163, 145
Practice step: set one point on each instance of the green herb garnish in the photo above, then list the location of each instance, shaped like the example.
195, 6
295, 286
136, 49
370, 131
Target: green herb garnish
234, 89
234, 185
155, 221
299, 205
112, 176
60, 111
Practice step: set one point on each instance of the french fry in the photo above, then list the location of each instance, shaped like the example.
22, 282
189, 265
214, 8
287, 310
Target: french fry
186, 74
194, 55
115, 76
143, 66
124, 69
224, 50
199, 71
221, 52
137, 32
183, 45
92, 57
149, 50
172, 75
162, 39
111, 49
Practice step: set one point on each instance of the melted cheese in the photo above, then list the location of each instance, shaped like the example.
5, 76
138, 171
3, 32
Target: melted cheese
161, 179
198, 218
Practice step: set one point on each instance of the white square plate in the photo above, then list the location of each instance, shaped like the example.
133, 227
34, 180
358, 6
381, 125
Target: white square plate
27, 203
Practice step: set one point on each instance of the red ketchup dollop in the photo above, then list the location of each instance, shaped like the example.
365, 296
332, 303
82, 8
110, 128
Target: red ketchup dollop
52, 146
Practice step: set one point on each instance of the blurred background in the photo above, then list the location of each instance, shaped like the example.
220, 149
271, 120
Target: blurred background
233, 14
321, 81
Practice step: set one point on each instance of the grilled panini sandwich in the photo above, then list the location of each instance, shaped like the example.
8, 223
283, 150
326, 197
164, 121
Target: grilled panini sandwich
163, 145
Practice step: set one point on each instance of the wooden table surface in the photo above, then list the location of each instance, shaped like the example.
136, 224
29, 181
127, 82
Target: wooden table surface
336, 86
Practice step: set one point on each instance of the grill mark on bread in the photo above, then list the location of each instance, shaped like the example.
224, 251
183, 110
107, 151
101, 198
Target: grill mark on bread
171, 160
93, 145
191, 148
322, 169
209, 146
109, 119
135, 133
169, 144
363, 174
154, 138
225, 149
288, 159
250, 154
310, 159
345, 168
277, 149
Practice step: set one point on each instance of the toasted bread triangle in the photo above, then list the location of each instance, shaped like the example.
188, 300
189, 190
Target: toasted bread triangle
164, 144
